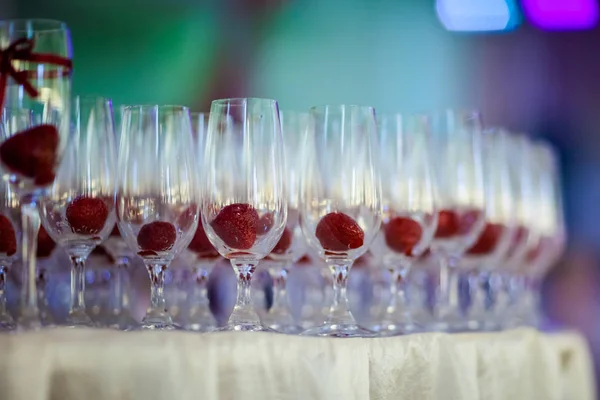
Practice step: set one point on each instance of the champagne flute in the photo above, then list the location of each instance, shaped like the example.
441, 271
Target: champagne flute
458, 169
31, 150
157, 194
244, 207
409, 210
340, 201
78, 212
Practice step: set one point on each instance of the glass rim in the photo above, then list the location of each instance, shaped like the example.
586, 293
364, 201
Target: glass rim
340, 106
159, 108
20, 25
238, 101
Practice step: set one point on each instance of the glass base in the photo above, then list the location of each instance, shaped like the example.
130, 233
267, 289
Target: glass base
339, 331
448, 325
156, 326
79, 319
244, 327
200, 321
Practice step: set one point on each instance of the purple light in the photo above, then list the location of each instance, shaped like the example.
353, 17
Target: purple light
561, 14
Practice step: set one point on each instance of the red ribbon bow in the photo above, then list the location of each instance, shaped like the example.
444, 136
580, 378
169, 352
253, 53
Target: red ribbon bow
22, 50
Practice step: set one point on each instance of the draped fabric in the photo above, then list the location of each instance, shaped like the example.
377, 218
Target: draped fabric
73, 364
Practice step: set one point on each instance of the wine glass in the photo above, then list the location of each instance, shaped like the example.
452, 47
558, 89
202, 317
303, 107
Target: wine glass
340, 200
201, 255
244, 207
157, 194
31, 150
291, 246
502, 280
458, 168
45, 260
491, 247
548, 225
78, 212
409, 210
10, 237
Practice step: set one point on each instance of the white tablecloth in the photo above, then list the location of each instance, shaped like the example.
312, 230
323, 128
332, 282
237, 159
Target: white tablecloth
65, 364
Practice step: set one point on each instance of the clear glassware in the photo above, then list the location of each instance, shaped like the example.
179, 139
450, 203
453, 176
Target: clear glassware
201, 255
459, 175
244, 207
548, 225
157, 194
31, 150
501, 281
79, 210
409, 211
493, 244
340, 201
291, 247
10, 238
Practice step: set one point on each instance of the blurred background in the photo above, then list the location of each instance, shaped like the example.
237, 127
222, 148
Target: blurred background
529, 65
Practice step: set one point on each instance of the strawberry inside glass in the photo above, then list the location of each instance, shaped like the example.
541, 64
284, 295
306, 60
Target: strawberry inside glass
87, 215
155, 237
452, 223
402, 234
8, 237
339, 232
237, 225
201, 245
488, 239
32, 154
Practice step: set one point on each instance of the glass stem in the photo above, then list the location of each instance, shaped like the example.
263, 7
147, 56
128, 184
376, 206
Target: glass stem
77, 286
339, 312
243, 313
118, 286
158, 305
30, 219
477, 281
448, 302
279, 276
3, 271
201, 299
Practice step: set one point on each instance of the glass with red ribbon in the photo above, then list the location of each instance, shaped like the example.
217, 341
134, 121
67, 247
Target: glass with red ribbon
409, 211
244, 206
457, 152
35, 75
340, 201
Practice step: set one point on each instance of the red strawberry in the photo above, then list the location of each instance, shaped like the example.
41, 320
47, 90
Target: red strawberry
45, 244
304, 260
115, 231
265, 223
32, 153
236, 224
402, 234
447, 224
8, 237
338, 232
450, 223
284, 242
87, 215
201, 245
488, 240
156, 236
